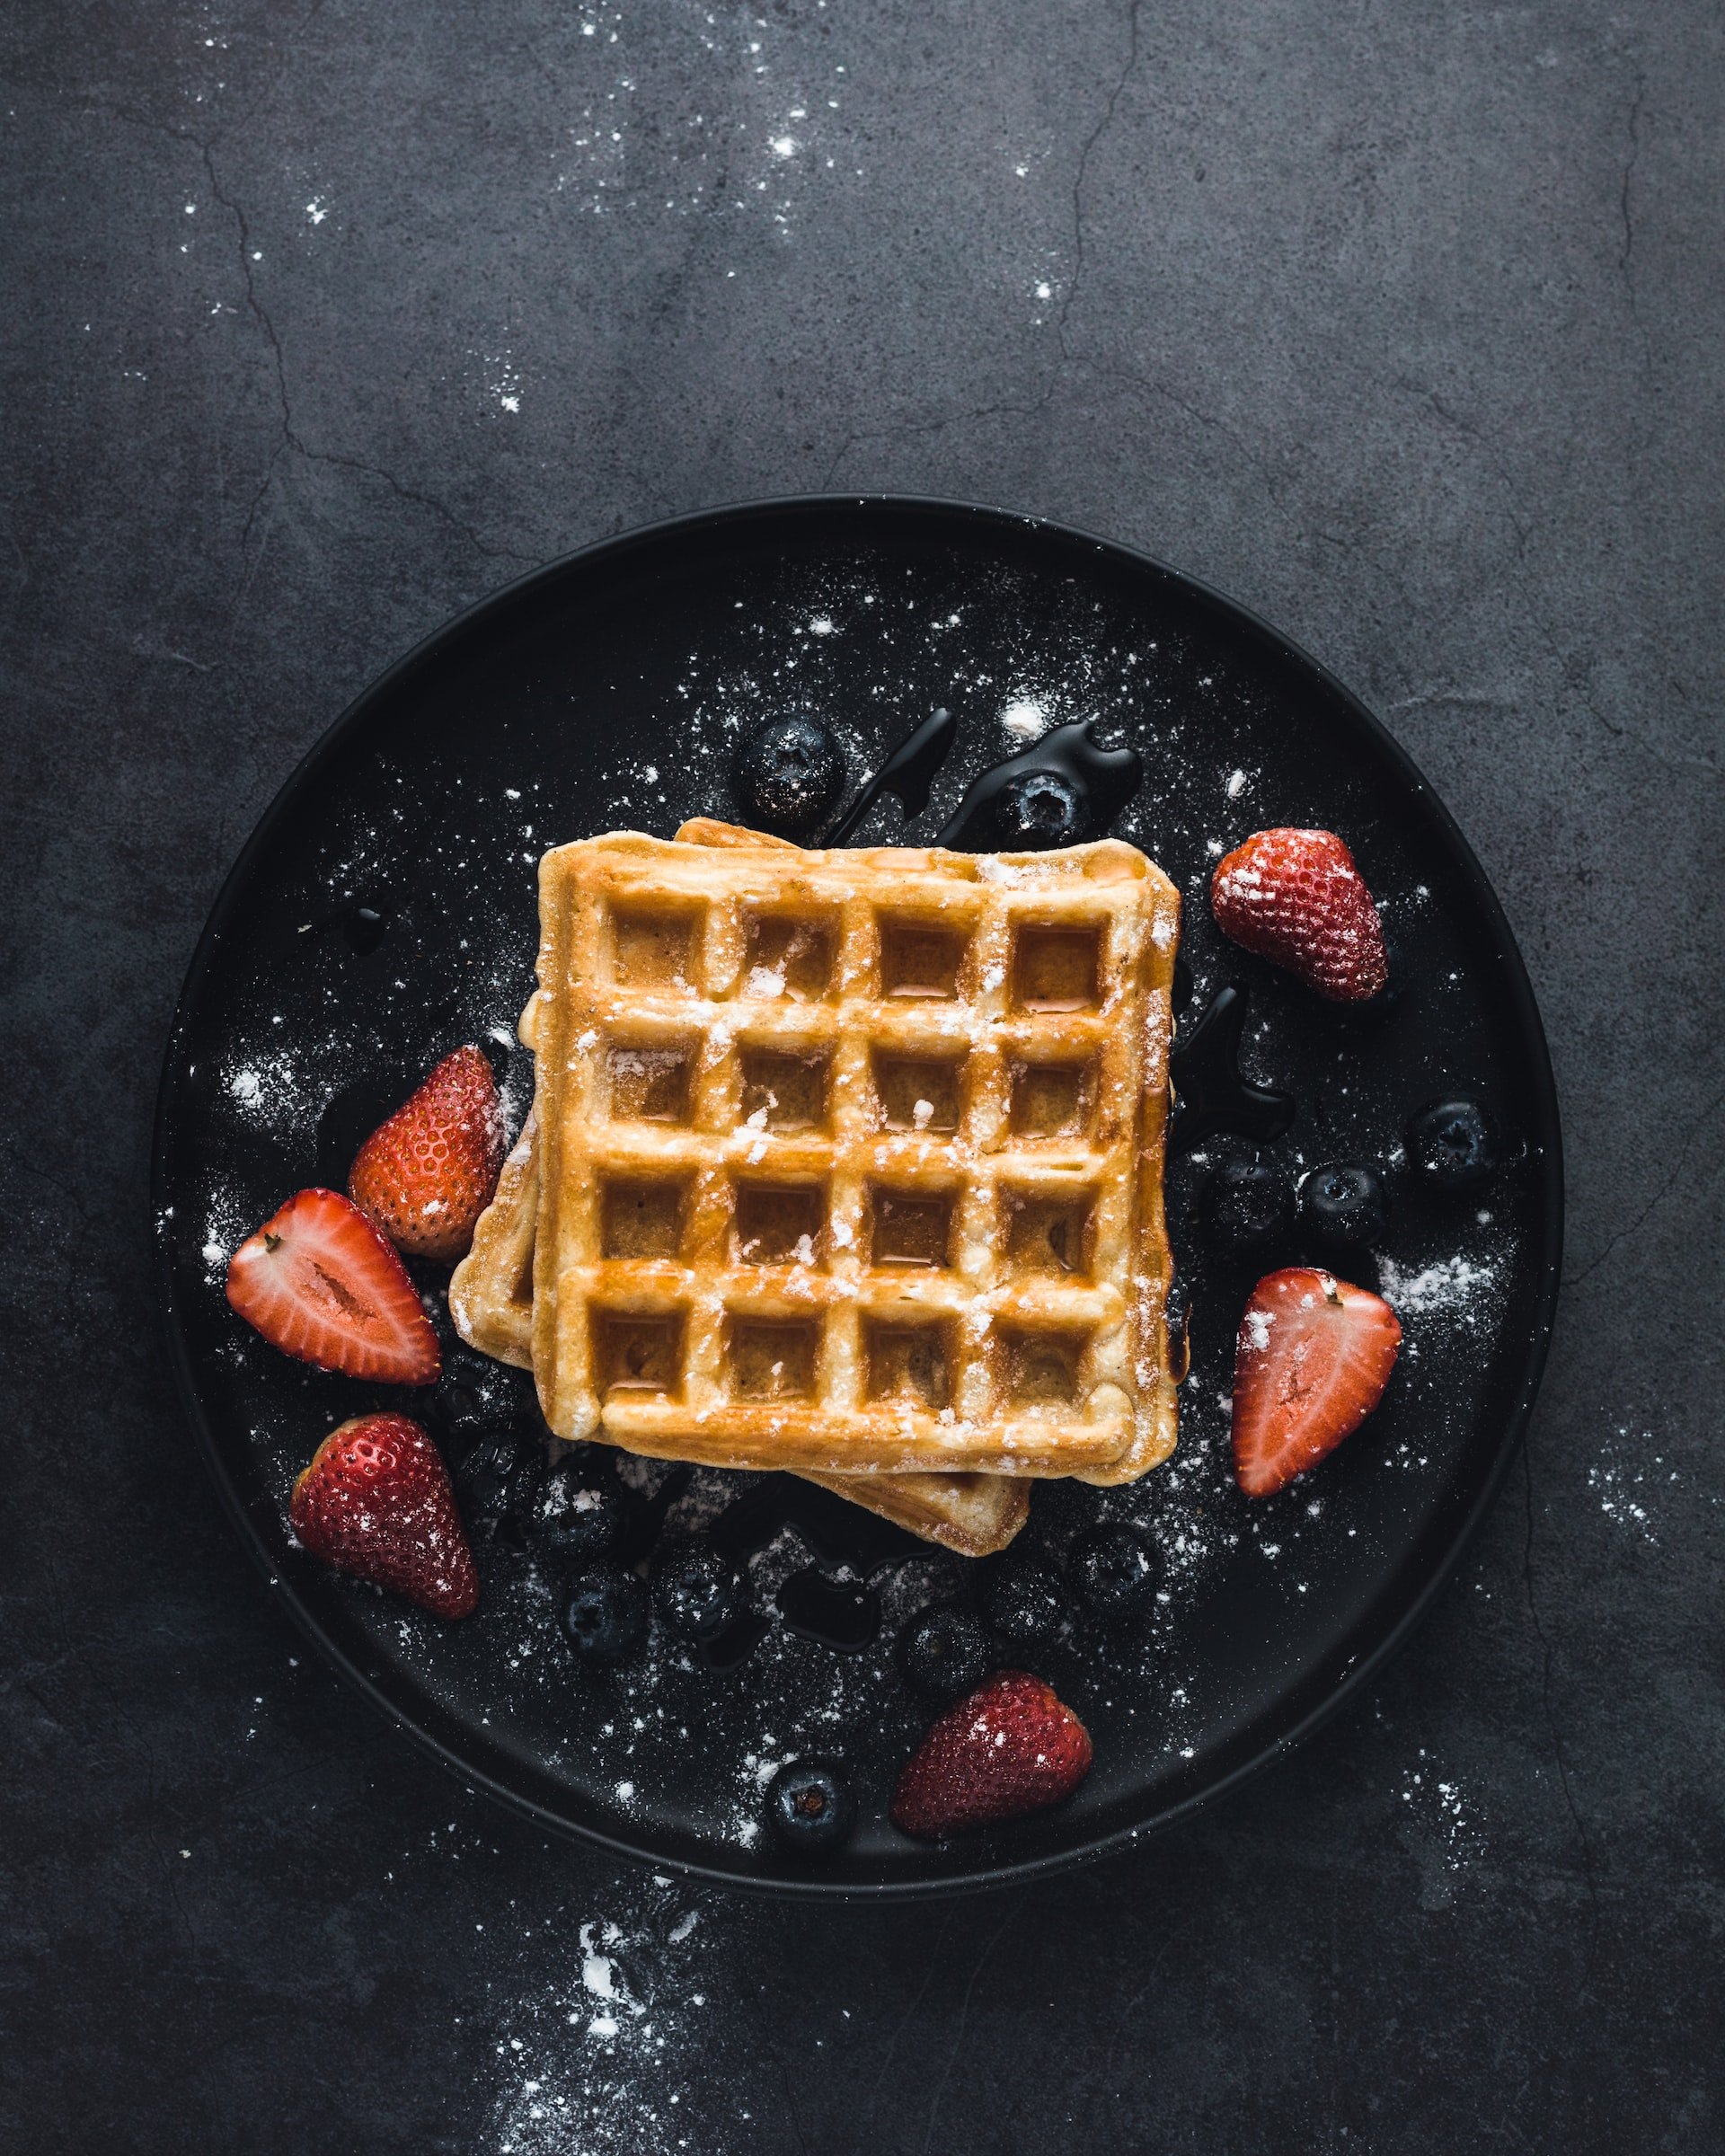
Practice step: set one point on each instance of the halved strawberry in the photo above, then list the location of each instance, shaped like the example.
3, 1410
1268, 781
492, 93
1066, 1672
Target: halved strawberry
376, 1501
1012, 1746
1297, 898
1310, 1363
320, 1283
427, 1174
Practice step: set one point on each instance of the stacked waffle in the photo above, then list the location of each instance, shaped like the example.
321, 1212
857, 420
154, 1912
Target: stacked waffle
848, 1164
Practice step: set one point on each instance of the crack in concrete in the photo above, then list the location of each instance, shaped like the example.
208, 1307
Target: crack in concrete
1658, 1197
1634, 131
1626, 252
180, 659
956, 2043
292, 440
1082, 171
1449, 699
292, 437
1067, 358
1110, 371
1568, 689
1488, 449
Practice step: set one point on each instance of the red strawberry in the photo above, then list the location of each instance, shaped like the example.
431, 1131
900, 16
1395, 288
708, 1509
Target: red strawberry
1297, 898
427, 1175
376, 1501
1010, 1747
320, 1283
1311, 1361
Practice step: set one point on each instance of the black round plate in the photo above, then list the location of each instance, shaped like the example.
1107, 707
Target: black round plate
384, 911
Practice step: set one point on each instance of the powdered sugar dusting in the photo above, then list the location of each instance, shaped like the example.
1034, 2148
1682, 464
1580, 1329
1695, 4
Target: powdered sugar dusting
1628, 1478
1439, 1826
598, 2060
1461, 1288
1026, 718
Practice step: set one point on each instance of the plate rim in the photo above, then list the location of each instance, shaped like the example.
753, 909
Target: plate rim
1547, 1135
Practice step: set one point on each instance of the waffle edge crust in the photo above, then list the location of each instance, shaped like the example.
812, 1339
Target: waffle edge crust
851, 1163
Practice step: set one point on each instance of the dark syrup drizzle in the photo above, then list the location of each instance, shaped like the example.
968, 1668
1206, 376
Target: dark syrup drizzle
1211, 1093
842, 1614
364, 925
731, 1648
908, 773
645, 1517
1017, 806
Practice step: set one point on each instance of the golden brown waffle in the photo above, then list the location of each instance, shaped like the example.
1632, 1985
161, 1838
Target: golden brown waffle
491, 1298
850, 1163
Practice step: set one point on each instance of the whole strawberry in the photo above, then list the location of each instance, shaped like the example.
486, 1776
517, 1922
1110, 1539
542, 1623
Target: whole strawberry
1010, 1747
376, 1501
1297, 898
425, 1176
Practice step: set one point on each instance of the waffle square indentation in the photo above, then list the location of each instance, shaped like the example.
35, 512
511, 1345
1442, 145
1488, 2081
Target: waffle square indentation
921, 961
779, 1224
656, 948
642, 1218
910, 1228
638, 1352
908, 1360
772, 1358
1047, 1231
648, 1083
788, 955
1057, 968
1050, 1100
919, 1093
785, 1090
1040, 1367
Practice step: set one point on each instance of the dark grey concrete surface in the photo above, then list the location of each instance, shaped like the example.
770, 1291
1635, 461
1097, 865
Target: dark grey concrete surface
1402, 324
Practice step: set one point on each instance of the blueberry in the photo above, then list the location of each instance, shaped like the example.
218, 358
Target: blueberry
497, 1485
1115, 1569
605, 1614
944, 1651
1454, 1143
696, 1591
789, 775
1023, 1600
578, 1518
482, 1478
810, 1807
461, 1410
1247, 1204
1038, 809
1343, 1203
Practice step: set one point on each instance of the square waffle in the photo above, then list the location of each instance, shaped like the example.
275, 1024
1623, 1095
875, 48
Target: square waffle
491, 1298
850, 1163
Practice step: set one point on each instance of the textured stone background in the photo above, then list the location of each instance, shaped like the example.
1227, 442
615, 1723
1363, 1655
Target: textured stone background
1401, 323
